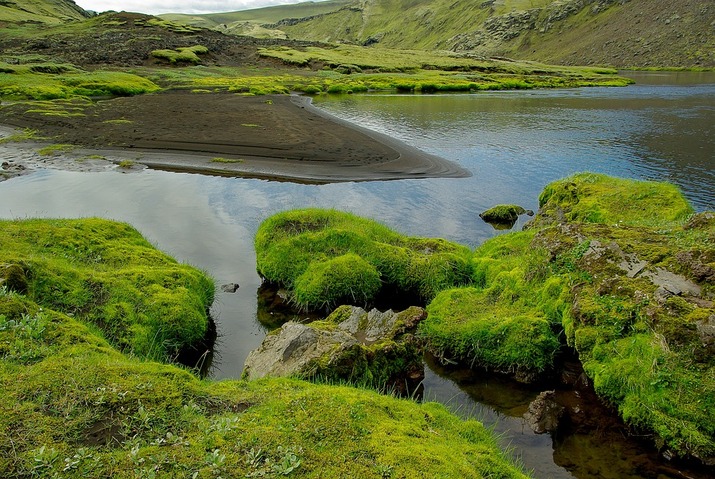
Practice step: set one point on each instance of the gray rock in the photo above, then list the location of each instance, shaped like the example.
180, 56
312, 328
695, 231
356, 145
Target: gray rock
229, 287
369, 327
294, 349
344, 347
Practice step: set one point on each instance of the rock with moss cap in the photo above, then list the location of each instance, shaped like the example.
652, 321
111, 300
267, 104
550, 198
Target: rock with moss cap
371, 348
503, 216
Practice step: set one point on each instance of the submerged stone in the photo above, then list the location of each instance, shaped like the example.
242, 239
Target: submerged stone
544, 413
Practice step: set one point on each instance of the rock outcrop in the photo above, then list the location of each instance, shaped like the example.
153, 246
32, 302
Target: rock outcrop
375, 348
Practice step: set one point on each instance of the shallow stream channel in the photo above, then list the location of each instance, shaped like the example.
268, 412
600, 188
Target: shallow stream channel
513, 143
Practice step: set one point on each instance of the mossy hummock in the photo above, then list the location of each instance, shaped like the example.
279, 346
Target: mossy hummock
618, 269
107, 274
326, 258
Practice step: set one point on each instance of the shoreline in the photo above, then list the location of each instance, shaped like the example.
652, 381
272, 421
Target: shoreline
275, 137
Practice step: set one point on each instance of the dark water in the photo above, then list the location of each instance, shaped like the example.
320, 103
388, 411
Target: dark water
513, 142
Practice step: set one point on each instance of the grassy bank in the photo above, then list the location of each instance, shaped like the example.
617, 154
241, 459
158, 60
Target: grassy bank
49, 81
105, 274
620, 270
75, 405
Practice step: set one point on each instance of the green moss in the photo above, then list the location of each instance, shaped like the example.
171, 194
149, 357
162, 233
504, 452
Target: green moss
294, 247
469, 325
107, 274
595, 198
25, 135
181, 54
26, 84
73, 405
502, 214
55, 149
340, 280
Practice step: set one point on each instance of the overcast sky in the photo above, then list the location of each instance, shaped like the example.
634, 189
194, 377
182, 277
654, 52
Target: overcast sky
178, 6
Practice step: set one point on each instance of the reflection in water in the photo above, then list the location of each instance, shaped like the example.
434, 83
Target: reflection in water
513, 142
522, 140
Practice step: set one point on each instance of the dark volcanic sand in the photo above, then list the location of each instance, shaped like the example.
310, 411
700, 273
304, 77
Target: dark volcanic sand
263, 136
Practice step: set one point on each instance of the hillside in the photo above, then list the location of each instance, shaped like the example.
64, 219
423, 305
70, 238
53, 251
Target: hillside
51, 12
615, 32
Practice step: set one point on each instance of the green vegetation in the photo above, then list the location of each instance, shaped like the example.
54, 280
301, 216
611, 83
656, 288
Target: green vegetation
49, 12
219, 159
505, 214
302, 249
181, 54
24, 135
51, 150
592, 198
382, 365
63, 81
167, 24
564, 32
627, 246
620, 270
73, 405
126, 164
106, 274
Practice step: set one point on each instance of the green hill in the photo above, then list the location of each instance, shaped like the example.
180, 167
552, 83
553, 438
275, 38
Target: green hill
39, 11
616, 32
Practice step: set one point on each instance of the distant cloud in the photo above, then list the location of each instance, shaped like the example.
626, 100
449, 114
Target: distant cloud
178, 6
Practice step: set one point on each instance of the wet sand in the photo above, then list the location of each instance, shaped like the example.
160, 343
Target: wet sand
279, 137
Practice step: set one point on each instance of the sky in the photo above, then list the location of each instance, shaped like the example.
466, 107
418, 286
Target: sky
178, 6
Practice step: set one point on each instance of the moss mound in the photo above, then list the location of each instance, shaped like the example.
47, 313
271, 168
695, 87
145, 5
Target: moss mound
502, 214
641, 282
105, 273
74, 406
509, 320
596, 198
299, 249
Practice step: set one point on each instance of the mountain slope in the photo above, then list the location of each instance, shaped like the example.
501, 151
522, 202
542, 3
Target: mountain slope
40, 11
616, 32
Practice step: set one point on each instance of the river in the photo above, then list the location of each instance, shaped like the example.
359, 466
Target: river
514, 143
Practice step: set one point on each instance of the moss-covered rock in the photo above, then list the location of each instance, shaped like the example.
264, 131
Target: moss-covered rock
375, 349
597, 198
640, 271
503, 216
13, 277
300, 250
468, 324
621, 271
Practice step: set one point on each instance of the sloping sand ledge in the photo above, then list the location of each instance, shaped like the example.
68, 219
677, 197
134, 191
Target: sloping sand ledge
273, 137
